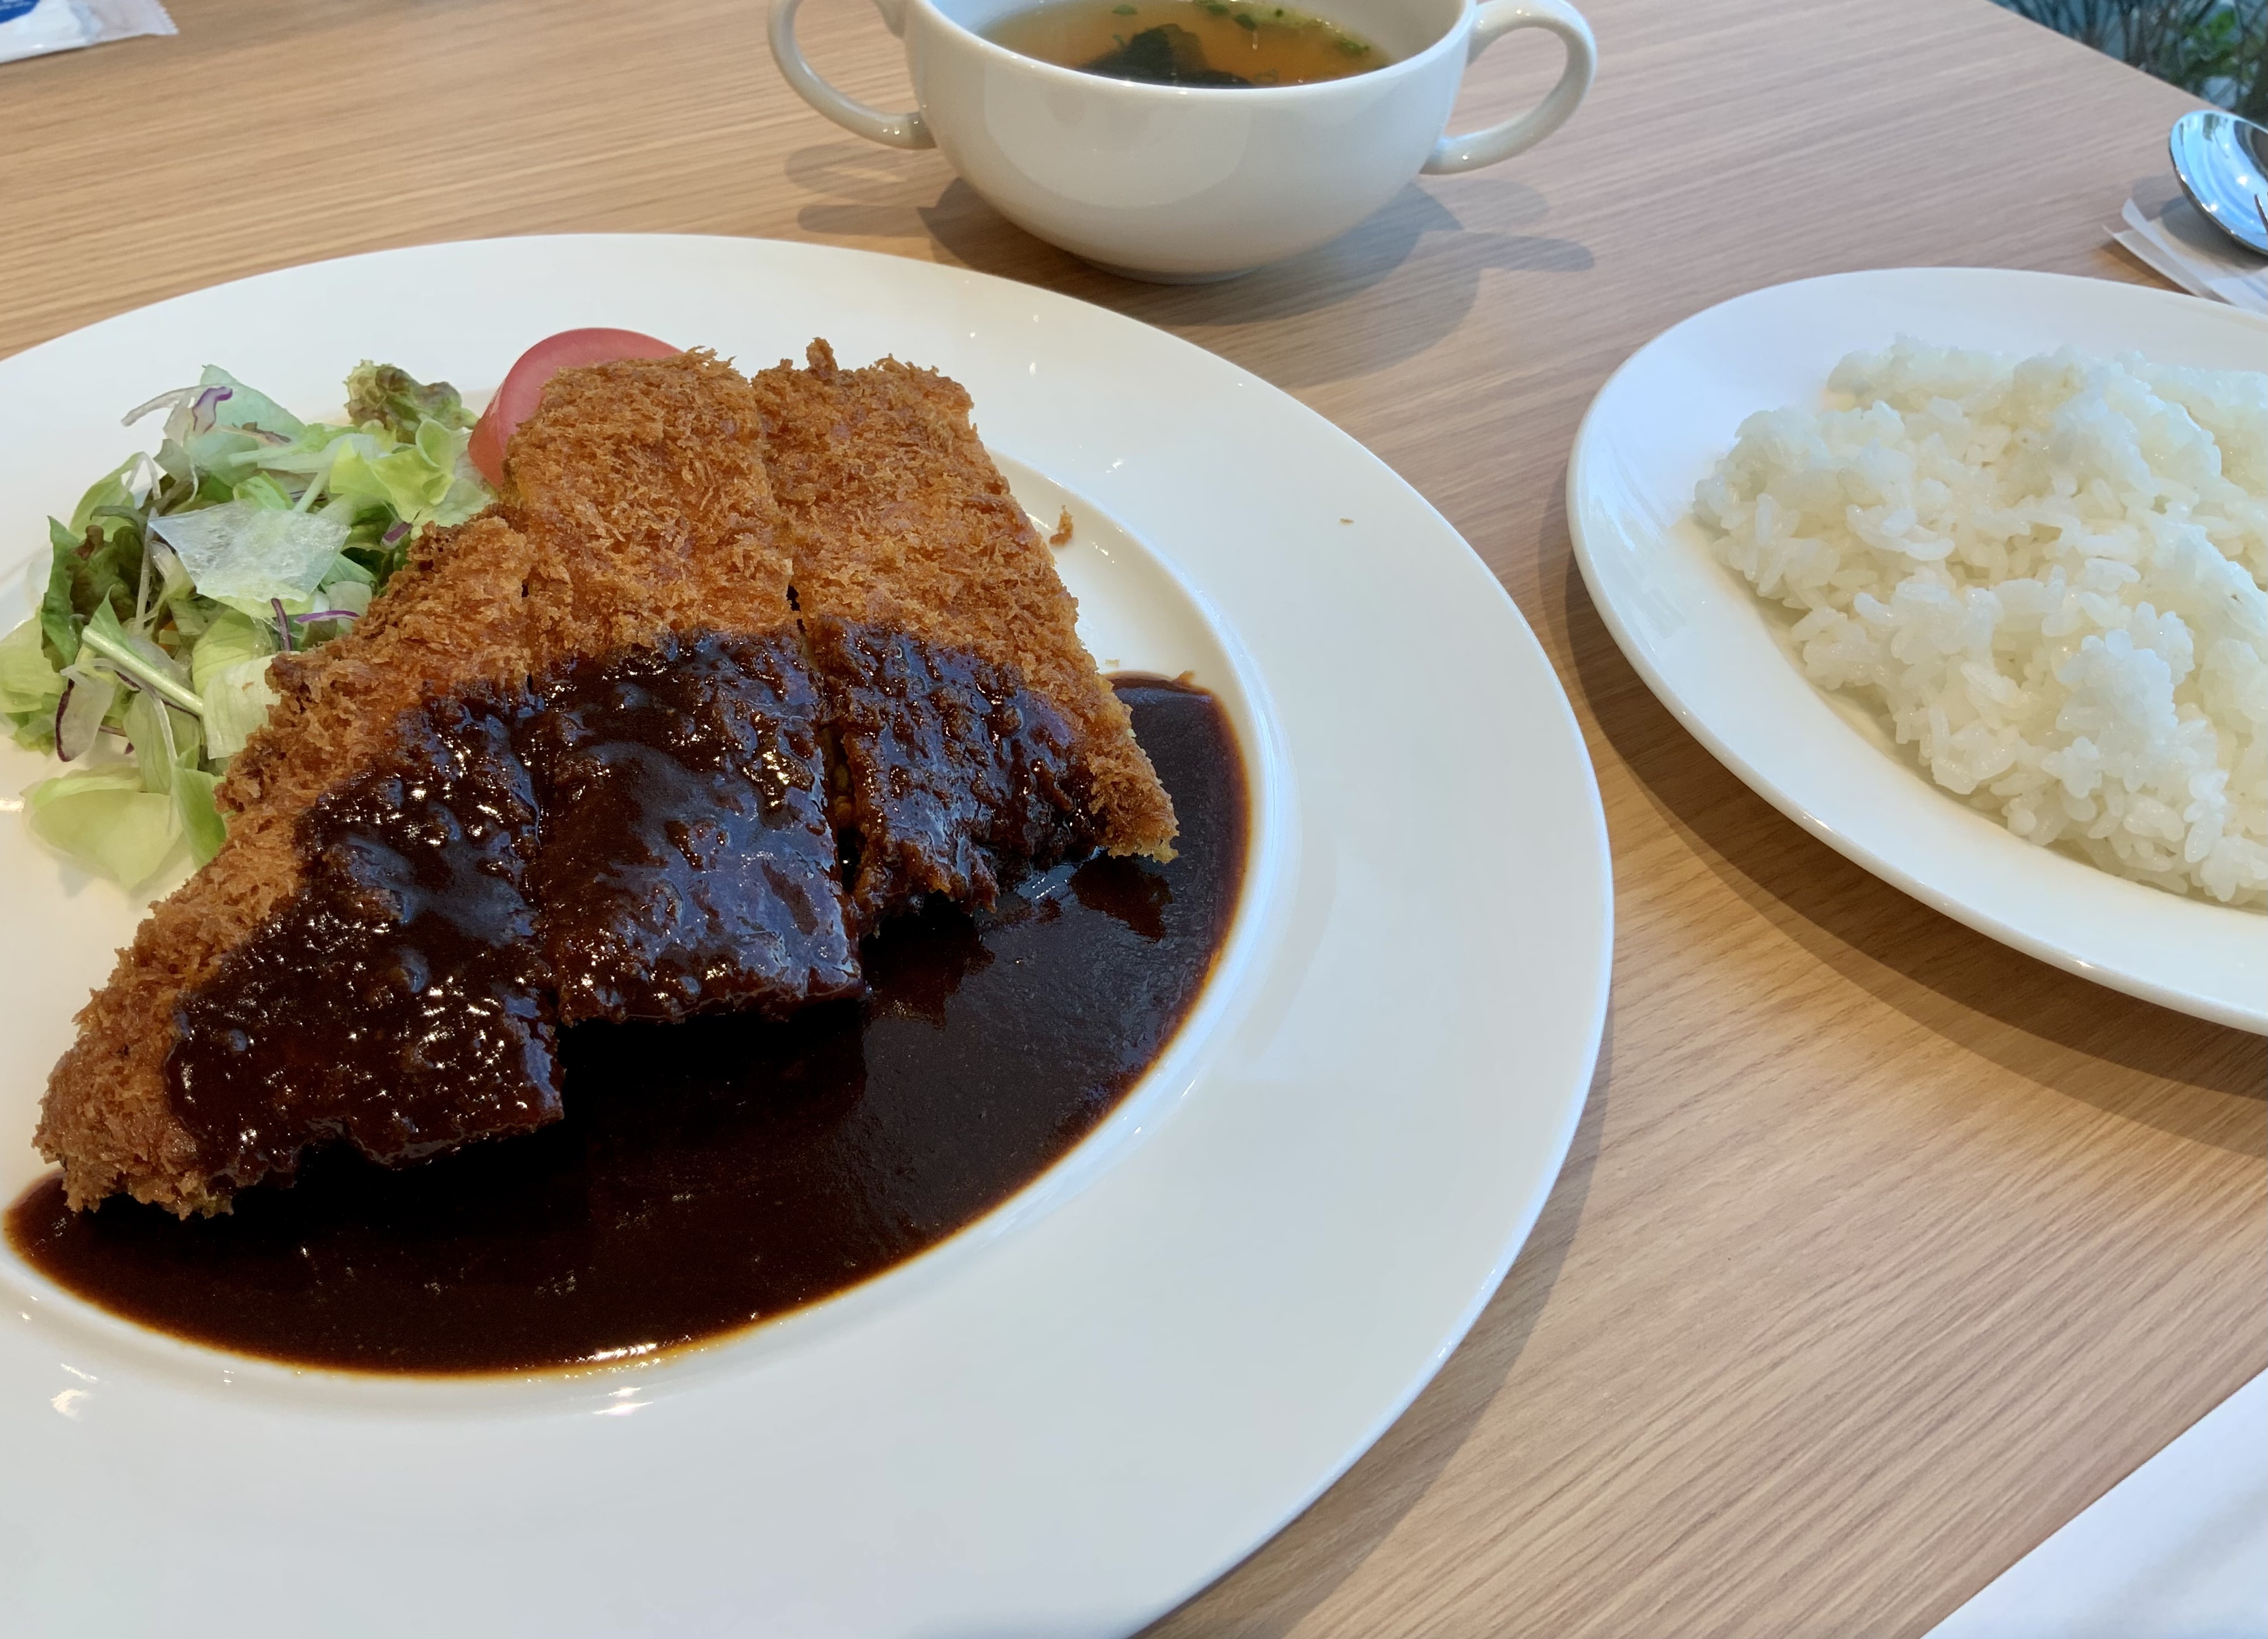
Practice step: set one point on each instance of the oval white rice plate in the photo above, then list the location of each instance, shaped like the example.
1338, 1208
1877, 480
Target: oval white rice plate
1712, 651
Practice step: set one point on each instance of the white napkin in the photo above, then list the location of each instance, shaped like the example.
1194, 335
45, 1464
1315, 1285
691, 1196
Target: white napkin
2179, 1549
45, 26
2170, 235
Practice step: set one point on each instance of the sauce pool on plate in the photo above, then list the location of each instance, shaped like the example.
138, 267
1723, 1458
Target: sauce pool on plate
718, 1173
1188, 42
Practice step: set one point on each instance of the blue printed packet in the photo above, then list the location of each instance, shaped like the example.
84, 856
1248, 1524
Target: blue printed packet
32, 28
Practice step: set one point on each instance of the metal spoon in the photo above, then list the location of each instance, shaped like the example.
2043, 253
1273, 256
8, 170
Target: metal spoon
2223, 163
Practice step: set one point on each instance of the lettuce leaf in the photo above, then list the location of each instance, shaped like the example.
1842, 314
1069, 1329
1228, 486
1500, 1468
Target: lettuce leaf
146, 732
345, 569
242, 552
196, 813
165, 741
237, 702
224, 453
103, 818
234, 638
29, 688
349, 596
124, 488
34, 731
28, 681
412, 479
248, 407
468, 494
262, 490
229, 670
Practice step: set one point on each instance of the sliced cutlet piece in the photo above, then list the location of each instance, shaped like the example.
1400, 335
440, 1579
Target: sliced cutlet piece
975, 734
571, 749
356, 962
687, 862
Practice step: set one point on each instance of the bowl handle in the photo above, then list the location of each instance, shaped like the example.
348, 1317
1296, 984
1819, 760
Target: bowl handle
893, 130
1470, 150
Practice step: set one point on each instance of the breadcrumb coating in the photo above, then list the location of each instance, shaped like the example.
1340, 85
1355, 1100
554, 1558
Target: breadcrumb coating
898, 517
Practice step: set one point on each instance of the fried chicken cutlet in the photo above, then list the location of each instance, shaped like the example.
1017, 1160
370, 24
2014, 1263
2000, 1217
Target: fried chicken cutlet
412, 703
568, 766
593, 756
976, 737
687, 860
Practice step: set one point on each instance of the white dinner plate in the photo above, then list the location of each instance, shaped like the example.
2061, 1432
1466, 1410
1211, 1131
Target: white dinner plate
1073, 1416
1716, 656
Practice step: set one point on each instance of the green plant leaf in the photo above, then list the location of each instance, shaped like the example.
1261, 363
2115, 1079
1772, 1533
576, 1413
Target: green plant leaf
242, 551
28, 682
139, 659
34, 731
109, 491
248, 407
58, 623
103, 818
199, 816
165, 740
229, 670
390, 395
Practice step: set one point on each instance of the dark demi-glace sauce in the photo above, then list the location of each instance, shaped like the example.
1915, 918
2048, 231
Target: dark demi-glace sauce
714, 1173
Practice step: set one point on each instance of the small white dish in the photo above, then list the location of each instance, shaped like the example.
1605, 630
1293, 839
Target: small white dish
1714, 653
1071, 1415
1185, 184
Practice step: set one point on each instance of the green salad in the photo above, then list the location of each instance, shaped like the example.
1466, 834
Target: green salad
179, 577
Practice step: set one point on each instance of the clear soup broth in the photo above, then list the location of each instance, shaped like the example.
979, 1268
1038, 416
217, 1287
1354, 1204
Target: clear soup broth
1187, 42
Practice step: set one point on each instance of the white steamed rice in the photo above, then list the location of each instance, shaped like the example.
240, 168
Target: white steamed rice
2049, 574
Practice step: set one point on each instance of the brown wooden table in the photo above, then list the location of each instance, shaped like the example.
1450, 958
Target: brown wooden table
1882, 1250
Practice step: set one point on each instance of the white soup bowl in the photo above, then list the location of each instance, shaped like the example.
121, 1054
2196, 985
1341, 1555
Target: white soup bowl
1189, 183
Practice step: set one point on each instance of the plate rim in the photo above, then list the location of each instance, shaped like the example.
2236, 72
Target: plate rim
1584, 1028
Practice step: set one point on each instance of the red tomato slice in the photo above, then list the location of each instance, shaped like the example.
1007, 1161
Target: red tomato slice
523, 388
